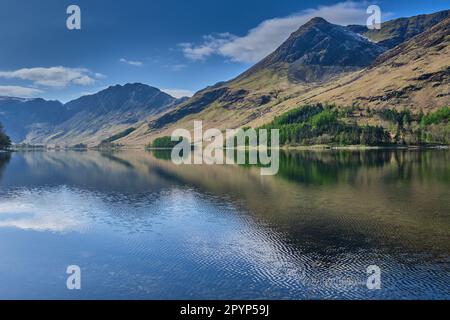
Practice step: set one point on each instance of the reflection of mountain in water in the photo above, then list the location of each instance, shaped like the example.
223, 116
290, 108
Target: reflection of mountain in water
324, 213
392, 196
333, 167
327, 167
343, 166
388, 197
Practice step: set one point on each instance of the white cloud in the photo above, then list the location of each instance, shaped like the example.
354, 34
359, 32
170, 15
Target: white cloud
211, 44
178, 93
84, 81
17, 91
268, 35
51, 77
99, 75
132, 63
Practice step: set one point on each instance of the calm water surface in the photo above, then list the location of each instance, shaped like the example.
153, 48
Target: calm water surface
141, 227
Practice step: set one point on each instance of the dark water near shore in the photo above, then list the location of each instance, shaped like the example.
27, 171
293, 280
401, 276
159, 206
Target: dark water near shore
141, 227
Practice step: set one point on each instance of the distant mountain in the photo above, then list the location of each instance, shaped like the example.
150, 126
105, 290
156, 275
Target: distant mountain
126, 99
88, 119
19, 115
395, 32
404, 65
96, 117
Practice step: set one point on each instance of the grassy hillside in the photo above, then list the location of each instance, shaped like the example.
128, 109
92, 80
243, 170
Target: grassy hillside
321, 124
414, 75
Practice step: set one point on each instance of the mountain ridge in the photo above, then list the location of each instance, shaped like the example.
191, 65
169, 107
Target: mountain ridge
260, 94
316, 52
413, 75
109, 110
405, 65
397, 31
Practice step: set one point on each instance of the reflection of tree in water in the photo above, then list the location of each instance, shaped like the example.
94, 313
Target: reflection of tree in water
421, 164
332, 167
5, 157
162, 154
329, 167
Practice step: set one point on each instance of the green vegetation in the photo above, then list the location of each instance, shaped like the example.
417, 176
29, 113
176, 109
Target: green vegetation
5, 141
109, 146
330, 125
163, 143
118, 136
418, 129
440, 116
162, 154
401, 118
298, 115
324, 124
79, 146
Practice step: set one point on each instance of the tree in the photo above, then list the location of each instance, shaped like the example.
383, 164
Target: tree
5, 141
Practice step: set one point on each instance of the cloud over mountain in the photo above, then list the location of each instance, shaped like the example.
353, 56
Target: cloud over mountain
53, 76
268, 35
18, 91
178, 93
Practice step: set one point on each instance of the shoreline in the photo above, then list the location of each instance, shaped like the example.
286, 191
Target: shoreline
362, 147
284, 148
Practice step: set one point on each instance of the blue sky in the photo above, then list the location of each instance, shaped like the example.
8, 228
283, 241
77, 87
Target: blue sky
179, 46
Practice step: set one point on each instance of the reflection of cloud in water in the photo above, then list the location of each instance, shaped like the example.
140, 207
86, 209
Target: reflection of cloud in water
57, 210
226, 232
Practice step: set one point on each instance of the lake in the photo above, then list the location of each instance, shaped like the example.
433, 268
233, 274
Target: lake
141, 227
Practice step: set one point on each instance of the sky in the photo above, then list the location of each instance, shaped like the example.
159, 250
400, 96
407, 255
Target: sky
178, 46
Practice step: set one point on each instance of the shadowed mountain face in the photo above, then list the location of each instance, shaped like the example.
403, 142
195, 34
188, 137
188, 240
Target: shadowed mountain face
327, 63
119, 99
99, 116
403, 65
93, 117
398, 31
414, 75
436, 37
319, 42
318, 50
20, 115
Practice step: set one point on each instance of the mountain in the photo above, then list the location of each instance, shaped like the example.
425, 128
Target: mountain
125, 100
88, 119
18, 115
413, 75
395, 32
318, 50
404, 65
